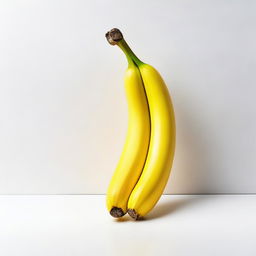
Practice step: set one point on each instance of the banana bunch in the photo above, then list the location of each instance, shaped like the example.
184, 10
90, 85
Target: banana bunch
145, 163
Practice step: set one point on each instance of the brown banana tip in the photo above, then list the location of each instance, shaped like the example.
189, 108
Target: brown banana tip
133, 214
116, 212
114, 36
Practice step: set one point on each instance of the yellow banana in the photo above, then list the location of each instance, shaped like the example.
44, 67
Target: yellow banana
134, 153
159, 160
144, 190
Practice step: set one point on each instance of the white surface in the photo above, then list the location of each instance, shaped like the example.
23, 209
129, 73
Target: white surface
62, 104
80, 225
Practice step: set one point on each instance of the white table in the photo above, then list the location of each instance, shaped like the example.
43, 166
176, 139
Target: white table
79, 225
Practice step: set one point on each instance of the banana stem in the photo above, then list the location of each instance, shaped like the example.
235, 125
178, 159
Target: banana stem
115, 37
128, 52
128, 56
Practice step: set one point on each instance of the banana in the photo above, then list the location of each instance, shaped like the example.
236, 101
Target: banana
160, 155
143, 186
135, 149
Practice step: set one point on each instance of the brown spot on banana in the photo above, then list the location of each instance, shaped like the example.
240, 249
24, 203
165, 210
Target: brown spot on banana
114, 36
133, 214
116, 212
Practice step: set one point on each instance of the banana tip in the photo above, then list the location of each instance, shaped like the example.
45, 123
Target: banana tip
116, 212
133, 214
114, 36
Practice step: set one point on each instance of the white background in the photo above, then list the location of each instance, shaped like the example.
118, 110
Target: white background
63, 112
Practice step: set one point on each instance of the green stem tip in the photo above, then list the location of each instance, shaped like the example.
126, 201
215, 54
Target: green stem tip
115, 37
